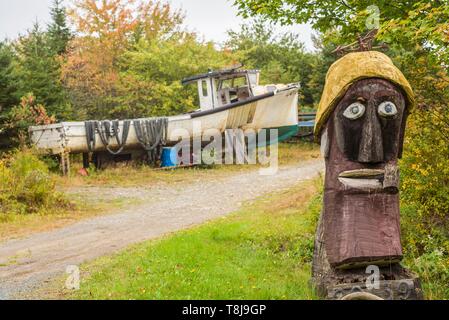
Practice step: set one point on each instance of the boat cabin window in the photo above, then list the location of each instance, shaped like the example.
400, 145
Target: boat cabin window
253, 78
204, 87
221, 88
233, 90
205, 92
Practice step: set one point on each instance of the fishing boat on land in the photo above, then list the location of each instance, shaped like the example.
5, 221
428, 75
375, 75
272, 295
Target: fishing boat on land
228, 99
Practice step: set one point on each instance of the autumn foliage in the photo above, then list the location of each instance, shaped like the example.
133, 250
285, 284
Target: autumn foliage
106, 30
27, 113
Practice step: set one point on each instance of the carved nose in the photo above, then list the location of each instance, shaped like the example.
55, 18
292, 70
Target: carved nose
371, 144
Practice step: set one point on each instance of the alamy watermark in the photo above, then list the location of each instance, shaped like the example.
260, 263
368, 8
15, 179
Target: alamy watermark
234, 146
377, 285
373, 281
373, 20
73, 278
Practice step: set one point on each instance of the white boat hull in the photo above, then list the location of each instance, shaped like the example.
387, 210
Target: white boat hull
278, 110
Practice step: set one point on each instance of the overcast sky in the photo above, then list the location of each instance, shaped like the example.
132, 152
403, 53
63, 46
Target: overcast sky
211, 18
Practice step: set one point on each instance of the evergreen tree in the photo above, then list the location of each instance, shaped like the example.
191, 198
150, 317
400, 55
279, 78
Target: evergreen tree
58, 31
8, 94
39, 71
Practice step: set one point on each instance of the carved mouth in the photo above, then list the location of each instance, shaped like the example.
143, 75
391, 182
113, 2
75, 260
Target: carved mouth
363, 174
386, 180
363, 179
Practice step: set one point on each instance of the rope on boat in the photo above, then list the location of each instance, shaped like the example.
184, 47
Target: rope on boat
152, 135
106, 131
90, 135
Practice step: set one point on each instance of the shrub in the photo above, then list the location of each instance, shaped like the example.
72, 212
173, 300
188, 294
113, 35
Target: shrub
26, 186
426, 249
425, 188
27, 113
425, 168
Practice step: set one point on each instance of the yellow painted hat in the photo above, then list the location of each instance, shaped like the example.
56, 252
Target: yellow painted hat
351, 68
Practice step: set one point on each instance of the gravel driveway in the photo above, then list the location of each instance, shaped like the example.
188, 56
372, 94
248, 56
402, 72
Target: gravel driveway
28, 263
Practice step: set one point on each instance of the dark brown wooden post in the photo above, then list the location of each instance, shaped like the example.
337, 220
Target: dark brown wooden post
361, 126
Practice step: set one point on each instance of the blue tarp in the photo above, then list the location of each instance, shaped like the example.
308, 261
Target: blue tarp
307, 124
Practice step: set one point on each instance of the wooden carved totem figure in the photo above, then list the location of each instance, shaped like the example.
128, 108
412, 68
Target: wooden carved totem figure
361, 125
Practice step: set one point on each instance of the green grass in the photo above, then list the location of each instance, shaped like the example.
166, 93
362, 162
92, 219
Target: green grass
262, 251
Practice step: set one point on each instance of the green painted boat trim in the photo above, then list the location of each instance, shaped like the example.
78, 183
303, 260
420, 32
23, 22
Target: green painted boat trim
284, 133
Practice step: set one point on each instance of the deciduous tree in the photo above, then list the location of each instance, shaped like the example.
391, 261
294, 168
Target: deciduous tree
107, 29
281, 57
151, 72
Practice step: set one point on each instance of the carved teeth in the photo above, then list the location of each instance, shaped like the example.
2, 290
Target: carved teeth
363, 173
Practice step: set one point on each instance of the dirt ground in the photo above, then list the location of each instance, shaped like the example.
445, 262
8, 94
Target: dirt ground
29, 263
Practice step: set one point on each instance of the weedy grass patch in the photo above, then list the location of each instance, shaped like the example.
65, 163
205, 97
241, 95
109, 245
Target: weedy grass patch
27, 187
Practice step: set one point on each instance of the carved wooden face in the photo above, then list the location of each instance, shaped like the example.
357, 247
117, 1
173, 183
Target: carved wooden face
362, 143
369, 122
365, 135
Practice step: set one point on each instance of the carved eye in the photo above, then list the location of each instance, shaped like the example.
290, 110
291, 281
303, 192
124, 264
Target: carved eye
354, 111
388, 109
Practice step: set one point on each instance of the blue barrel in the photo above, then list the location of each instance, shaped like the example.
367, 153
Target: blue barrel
169, 157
